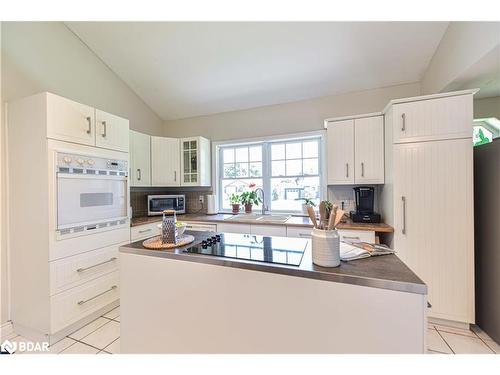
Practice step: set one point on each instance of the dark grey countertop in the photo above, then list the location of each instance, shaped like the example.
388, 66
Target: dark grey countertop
385, 272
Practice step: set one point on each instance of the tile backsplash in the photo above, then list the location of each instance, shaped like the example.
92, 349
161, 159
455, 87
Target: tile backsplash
139, 198
345, 193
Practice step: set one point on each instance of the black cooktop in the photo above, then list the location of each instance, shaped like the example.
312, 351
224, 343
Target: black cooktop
279, 250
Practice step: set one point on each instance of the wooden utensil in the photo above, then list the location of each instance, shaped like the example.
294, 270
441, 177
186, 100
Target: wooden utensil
322, 214
338, 217
331, 220
312, 216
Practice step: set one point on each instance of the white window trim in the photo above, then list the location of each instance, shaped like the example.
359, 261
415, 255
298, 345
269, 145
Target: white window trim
216, 167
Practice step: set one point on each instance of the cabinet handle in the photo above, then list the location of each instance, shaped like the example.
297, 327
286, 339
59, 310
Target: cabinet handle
175, 175
347, 170
104, 129
97, 295
145, 230
403, 228
95, 265
351, 237
362, 169
89, 120
403, 127
304, 235
138, 174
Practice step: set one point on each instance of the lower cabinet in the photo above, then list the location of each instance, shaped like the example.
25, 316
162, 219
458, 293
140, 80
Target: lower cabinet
141, 232
345, 234
268, 230
234, 228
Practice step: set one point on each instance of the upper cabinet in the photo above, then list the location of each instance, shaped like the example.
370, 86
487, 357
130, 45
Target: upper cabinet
74, 122
195, 162
340, 149
70, 121
165, 161
140, 159
111, 131
427, 120
355, 150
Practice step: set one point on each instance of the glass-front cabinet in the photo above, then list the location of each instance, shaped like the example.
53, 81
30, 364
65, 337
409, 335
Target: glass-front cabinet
195, 161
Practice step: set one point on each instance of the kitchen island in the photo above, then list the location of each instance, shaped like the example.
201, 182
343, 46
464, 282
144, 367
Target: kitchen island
178, 302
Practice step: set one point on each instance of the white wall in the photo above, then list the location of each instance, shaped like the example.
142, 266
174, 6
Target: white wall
306, 115
47, 56
3, 252
487, 107
463, 44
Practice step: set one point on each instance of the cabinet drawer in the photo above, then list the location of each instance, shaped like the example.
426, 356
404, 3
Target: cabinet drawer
234, 228
74, 304
201, 227
73, 271
268, 230
357, 235
141, 232
298, 232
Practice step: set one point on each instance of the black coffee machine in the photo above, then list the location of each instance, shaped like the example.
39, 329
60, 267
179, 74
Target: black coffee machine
365, 199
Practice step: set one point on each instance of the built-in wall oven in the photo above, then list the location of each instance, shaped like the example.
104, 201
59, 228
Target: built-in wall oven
92, 194
158, 203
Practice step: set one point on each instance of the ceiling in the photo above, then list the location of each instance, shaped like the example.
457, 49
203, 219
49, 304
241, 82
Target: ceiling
190, 69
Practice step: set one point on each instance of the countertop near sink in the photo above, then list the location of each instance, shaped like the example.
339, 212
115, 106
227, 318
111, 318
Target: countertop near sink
294, 221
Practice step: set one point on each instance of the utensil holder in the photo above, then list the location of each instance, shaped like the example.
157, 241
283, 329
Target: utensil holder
325, 248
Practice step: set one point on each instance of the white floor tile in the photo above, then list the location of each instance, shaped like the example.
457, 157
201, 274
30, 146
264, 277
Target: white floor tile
117, 318
103, 352
114, 347
493, 345
79, 348
113, 313
433, 352
436, 343
466, 345
104, 335
457, 331
61, 345
88, 329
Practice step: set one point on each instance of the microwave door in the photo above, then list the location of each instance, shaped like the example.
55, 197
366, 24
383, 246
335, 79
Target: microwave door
83, 199
161, 204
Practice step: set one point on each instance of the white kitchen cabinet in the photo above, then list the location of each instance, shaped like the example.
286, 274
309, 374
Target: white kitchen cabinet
234, 228
112, 131
68, 120
140, 159
268, 230
165, 161
141, 232
356, 151
195, 162
369, 150
434, 221
432, 119
340, 149
298, 232
357, 235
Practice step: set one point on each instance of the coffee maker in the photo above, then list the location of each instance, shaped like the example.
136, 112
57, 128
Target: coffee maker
365, 199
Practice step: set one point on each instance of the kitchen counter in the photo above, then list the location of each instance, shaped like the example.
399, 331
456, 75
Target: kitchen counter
385, 272
206, 304
294, 221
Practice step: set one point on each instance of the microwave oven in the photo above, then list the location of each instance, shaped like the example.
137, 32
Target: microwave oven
158, 203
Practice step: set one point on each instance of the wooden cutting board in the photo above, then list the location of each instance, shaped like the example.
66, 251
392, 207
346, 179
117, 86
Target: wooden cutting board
154, 243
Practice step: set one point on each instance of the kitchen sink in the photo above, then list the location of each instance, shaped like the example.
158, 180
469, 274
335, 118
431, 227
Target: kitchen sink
260, 218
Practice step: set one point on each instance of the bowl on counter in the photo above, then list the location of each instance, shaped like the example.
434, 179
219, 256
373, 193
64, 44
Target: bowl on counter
181, 227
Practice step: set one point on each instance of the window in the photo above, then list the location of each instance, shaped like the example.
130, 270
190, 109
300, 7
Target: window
287, 171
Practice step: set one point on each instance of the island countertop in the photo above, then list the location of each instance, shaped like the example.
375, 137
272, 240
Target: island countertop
385, 272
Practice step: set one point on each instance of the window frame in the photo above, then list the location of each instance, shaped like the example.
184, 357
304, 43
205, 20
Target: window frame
266, 142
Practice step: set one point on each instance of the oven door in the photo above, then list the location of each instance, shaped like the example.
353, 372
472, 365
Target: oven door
158, 205
90, 199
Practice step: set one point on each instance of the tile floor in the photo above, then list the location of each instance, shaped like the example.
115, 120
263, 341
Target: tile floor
102, 336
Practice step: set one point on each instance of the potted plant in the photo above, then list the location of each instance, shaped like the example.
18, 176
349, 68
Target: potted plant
307, 202
249, 198
235, 200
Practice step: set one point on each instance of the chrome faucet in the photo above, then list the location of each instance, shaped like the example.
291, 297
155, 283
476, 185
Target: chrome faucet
264, 208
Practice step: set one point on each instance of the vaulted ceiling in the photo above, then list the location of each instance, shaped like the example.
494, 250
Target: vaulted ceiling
190, 69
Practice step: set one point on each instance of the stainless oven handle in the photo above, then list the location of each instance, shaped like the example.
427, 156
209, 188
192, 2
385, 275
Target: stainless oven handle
90, 176
97, 295
96, 265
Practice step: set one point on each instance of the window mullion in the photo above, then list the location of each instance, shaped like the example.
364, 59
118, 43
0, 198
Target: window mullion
266, 173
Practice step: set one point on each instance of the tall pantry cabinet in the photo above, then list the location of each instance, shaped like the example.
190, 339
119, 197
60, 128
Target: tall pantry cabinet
428, 196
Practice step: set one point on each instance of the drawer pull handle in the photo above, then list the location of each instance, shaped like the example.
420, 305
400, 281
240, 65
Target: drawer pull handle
89, 121
95, 265
145, 230
351, 237
104, 129
98, 295
305, 235
403, 127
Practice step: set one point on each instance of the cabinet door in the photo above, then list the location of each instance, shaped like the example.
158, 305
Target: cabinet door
165, 161
434, 222
140, 158
340, 148
70, 121
433, 119
111, 131
233, 228
190, 162
369, 150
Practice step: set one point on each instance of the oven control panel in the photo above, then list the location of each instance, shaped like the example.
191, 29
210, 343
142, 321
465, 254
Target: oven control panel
85, 162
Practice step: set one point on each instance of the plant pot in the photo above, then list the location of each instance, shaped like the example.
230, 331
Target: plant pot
248, 208
325, 248
236, 208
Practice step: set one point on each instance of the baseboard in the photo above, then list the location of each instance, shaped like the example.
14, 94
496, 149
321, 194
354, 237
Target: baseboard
6, 330
449, 323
